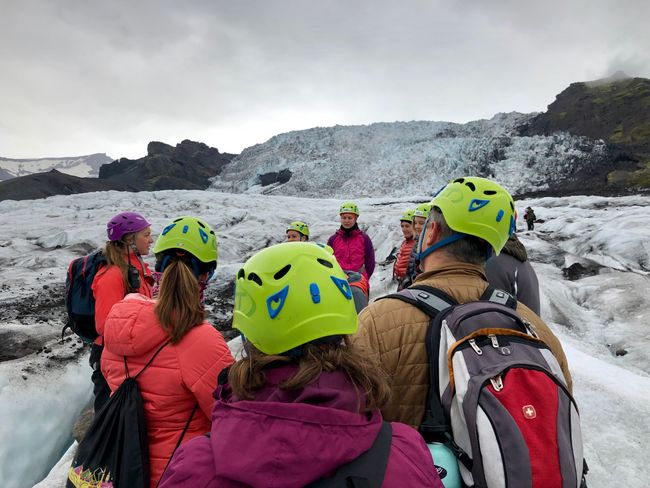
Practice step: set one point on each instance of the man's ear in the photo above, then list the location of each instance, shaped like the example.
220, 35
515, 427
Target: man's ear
432, 233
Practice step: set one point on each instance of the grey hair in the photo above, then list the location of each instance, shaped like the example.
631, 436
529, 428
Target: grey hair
471, 249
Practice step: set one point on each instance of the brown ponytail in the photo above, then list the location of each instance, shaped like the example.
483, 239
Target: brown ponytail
115, 253
179, 305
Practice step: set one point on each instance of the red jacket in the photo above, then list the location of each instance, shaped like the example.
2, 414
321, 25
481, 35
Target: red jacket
402, 261
109, 288
180, 376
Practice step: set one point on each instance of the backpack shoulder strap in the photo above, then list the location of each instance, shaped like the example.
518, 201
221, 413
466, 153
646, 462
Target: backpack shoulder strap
367, 470
180, 439
126, 367
428, 299
494, 295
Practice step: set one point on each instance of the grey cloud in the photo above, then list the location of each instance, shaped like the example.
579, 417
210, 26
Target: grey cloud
78, 74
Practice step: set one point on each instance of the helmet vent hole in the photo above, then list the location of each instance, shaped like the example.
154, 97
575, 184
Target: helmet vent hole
325, 263
512, 206
470, 185
489, 192
200, 223
255, 278
178, 219
280, 274
459, 180
241, 274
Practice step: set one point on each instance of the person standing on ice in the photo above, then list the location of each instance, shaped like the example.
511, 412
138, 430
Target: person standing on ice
302, 402
420, 215
404, 254
530, 218
129, 238
354, 252
188, 353
512, 272
297, 232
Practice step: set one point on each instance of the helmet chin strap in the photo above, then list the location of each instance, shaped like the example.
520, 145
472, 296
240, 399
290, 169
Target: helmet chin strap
456, 236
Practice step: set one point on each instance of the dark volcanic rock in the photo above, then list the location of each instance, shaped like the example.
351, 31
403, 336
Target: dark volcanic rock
281, 176
578, 270
188, 166
616, 110
42, 185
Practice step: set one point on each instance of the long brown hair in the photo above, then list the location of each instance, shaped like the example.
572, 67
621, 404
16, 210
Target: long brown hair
116, 254
247, 375
178, 308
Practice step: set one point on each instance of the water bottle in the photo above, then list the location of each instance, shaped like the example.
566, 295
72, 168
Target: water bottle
446, 464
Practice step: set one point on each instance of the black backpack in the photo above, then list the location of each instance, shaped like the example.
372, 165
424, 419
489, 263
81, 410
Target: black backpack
116, 449
79, 299
367, 470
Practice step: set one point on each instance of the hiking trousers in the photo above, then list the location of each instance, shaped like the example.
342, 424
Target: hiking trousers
100, 388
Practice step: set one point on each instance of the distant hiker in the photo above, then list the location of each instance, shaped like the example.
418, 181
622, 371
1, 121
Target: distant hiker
404, 254
530, 218
177, 386
511, 271
499, 374
129, 238
303, 404
420, 215
354, 252
297, 232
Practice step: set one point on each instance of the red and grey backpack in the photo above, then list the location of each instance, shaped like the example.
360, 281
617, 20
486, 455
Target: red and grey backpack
497, 395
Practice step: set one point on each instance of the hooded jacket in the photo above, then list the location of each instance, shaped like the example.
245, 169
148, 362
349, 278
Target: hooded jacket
403, 257
109, 288
353, 250
180, 376
292, 438
511, 271
393, 332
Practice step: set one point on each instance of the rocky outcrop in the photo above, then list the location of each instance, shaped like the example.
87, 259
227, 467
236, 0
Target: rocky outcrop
616, 110
42, 185
187, 166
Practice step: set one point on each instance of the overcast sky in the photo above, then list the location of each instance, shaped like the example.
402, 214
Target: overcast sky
78, 77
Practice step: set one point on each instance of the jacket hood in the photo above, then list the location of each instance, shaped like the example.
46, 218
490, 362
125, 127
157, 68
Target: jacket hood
282, 432
131, 328
515, 248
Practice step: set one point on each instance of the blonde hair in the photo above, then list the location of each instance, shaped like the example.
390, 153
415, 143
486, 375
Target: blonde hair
247, 375
116, 254
178, 308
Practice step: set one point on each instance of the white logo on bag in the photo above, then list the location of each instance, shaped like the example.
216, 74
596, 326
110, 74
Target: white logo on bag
529, 412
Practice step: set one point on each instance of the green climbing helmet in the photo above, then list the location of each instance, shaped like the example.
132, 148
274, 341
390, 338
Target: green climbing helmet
478, 207
191, 235
291, 294
407, 216
422, 210
349, 207
299, 227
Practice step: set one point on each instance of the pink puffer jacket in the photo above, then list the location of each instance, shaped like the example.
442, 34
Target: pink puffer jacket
180, 376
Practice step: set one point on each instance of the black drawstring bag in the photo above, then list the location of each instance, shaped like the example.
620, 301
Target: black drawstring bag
115, 450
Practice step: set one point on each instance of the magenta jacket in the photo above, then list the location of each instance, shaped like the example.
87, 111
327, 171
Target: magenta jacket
353, 250
290, 439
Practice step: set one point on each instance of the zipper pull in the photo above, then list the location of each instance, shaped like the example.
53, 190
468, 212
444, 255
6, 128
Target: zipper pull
495, 342
497, 383
477, 350
531, 329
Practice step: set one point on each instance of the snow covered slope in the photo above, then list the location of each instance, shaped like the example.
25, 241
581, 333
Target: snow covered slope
406, 158
82, 166
601, 318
